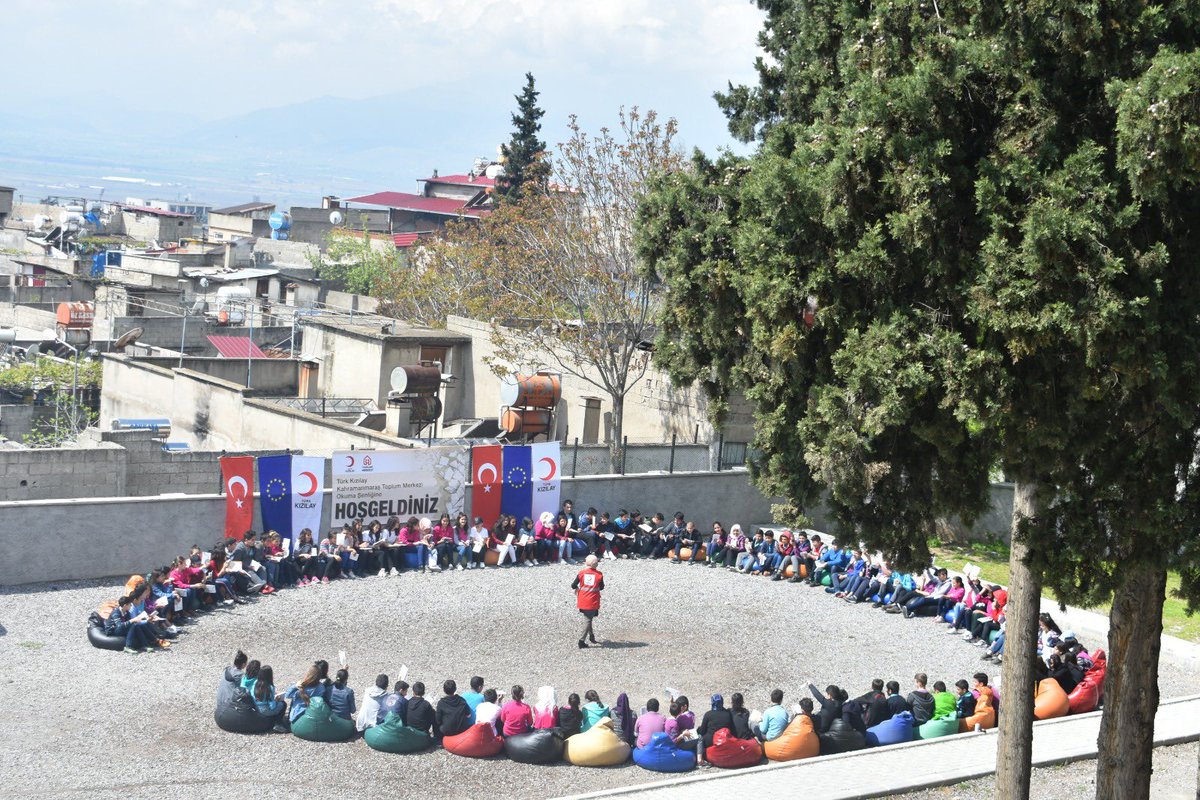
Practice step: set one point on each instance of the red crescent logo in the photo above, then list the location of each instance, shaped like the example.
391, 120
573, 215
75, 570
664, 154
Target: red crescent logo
349, 462
553, 469
312, 486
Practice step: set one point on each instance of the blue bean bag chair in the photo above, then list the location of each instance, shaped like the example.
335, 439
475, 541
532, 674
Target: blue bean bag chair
579, 548
937, 728
897, 730
318, 723
951, 615
661, 755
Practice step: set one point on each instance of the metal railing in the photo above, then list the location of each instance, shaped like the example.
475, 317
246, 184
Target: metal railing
326, 405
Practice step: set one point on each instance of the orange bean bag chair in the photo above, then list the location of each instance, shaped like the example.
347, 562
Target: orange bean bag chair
685, 554
789, 571
477, 741
490, 557
1086, 696
985, 713
798, 740
728, 752
1049, 700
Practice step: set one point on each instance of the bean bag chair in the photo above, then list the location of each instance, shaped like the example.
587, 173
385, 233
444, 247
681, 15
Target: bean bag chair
237, 713
729, 752
841, 738
543, 746
951, 615
790, 571
579, 548
318, 723
393, 736
897, 730
685, 554
1049, 700
938, 727
661, 755
477, 741
1086, 696
984, 716
798, 740
827, 579
97, 636
599, 746
492, 557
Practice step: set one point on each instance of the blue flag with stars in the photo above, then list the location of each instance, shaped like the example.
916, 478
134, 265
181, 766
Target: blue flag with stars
275, 493
517, 497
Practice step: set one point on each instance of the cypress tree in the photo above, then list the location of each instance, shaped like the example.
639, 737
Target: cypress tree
526, 168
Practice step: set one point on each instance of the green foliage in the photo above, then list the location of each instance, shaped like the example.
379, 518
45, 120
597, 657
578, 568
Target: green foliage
45, 374
990, 208
353, 261
526, 167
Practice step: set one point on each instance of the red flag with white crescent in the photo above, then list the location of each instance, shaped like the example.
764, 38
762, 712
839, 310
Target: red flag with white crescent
237, 477
486, 481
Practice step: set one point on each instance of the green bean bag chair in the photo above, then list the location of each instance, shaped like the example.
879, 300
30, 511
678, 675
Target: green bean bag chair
938, 727
393, 736
318, 723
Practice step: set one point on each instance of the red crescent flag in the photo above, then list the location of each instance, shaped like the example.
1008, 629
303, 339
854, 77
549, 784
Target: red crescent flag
485, 483
237, 478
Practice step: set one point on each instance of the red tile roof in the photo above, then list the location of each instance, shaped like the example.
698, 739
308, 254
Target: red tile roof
460, 180
405, 201
236, 347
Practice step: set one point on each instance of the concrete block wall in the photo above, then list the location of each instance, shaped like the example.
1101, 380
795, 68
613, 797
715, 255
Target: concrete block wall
36, 318
45, 473
17, 420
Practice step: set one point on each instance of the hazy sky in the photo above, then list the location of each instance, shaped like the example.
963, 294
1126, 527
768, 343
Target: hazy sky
253, 54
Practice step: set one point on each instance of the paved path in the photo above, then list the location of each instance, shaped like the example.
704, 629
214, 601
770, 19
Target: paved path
902, 768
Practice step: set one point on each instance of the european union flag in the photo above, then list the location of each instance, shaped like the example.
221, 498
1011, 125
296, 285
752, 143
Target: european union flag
517, 497
275, 493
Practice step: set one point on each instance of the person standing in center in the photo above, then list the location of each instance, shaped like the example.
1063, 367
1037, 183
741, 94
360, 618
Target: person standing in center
587, 585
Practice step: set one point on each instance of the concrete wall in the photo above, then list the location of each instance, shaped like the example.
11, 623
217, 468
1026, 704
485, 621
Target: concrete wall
168, 331
53, 472
593, 459
19, 419
654, 408
127, 535
993, 524
146, 227
77, 291
35, 317
277, 377
213, 414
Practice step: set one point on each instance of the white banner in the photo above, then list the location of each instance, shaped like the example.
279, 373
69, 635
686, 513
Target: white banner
378, 484
546, 460
308, 484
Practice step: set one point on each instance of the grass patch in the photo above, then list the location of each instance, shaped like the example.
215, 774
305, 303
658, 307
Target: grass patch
31, 645
992, 559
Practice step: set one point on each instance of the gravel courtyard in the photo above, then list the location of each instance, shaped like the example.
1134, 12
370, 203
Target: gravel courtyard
87, 722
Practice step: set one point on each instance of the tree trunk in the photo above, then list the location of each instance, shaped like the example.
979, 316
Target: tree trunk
1131, 685
1014, 752
616, 449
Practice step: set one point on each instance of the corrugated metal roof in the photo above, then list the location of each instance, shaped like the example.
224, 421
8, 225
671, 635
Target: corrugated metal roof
244, 208
236, 347
405, 201
405, 239
154, 212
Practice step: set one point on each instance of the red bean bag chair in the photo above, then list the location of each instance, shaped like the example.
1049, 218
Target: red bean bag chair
728, 752
1049, 700
477, 741
1086, 696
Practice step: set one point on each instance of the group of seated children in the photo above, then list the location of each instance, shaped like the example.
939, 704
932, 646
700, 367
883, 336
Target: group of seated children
453, 713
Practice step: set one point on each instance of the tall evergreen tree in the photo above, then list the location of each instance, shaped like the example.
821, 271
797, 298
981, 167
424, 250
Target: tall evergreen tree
526, 166
966, 239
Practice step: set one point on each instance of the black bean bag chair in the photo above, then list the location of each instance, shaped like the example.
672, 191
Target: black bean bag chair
841, 738
97, 636
543, 746
240, 715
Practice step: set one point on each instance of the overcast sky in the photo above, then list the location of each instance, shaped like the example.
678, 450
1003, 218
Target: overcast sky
252, 54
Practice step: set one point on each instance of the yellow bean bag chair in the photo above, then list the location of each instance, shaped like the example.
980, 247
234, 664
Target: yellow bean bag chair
984, 716
685, 554
599, 746
798, 740
1049, 700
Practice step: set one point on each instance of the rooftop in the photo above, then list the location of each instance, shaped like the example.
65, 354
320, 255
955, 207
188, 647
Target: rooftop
154, 212
244, 208
393, 330
405, 201
460, 180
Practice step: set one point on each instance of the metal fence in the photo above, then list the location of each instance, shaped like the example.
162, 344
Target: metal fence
326, 405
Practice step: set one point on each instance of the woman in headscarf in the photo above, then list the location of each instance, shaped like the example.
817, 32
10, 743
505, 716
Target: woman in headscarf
624, 719
545, 710
715, 719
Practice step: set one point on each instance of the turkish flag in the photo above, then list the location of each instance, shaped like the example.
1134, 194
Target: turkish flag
485, 480
237, 476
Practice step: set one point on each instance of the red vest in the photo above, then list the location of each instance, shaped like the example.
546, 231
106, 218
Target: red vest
587, 596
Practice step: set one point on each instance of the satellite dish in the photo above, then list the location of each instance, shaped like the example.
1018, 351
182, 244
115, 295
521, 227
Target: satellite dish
32, 352
494, 171
127, 338
204, 283
197, 307
336, 218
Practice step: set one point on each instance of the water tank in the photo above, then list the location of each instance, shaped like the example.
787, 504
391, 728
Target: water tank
525, 422
416, 380
425, 408
75, 315
280, 221
537, 391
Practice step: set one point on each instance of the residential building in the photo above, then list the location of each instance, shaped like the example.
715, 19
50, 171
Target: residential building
147, 224
441, 200
239, 222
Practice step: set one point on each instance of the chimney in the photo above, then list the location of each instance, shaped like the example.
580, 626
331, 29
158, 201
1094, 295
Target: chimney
435, 173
